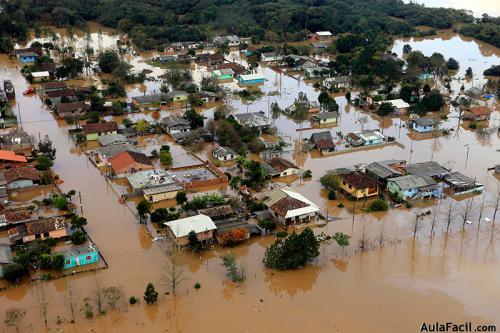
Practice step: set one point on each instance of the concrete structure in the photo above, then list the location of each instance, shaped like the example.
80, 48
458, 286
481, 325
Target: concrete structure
93, 131
251, 78
231, 40
81, 255
414, 186
359, 185
423, 125
288, 207
223, 153
40, 76
202, 225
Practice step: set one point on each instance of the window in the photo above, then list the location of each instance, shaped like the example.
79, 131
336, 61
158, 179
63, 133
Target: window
68, 261
89, 257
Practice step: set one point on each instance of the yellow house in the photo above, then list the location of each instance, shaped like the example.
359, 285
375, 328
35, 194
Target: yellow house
359, 185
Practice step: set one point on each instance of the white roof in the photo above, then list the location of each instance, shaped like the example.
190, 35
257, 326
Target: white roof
323, 33
40, 74
397, 103
251, 76
312, 208
197, 223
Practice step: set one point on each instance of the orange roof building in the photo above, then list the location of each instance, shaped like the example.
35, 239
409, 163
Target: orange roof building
129, 162
477, 113
10, 156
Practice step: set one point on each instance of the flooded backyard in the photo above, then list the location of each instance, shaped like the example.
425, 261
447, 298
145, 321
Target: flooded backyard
396, 285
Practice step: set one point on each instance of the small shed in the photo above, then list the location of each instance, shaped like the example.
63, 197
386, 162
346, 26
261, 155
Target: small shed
81, 255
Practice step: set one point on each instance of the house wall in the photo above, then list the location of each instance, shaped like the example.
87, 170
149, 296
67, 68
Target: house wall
373, 142
58, 233
289, 172
422, 129
82, 259
160, 196
224, 158
135, 166
183, 241
328, 121
358, 193
22, 183
94, 136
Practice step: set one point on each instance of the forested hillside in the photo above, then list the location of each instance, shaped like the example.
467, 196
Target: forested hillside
152, 23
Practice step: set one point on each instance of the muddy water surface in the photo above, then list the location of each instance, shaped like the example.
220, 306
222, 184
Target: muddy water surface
390, 288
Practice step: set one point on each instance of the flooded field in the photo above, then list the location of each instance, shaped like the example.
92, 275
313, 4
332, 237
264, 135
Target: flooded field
394, 287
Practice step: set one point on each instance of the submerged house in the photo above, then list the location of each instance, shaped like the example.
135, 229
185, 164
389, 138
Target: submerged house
359, 185
279, 167
430, 168
414, 186
326, 118
6, 257
129, 162
477, 113
462, 184
288, 207
251, 78
365, 138
253, 120
155, 185
94, 131
81, 255
384, 170
223, 74
17, 141
202, 225
54, 228
175, 124
20, 177
323, 142
72, 109
223, 153
423, 125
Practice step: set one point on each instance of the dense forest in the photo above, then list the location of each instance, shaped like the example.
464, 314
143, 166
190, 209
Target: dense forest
153, 23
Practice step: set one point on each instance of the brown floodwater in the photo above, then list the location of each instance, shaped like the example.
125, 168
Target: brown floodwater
392, 287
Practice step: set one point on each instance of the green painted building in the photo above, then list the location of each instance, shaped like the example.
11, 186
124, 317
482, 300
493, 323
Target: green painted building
223, 74
79, 256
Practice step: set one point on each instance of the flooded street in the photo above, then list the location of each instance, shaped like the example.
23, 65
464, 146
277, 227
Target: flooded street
394, 287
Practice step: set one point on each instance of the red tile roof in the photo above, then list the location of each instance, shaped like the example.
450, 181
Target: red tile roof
27, 172
359, 180
479, 110
127, 160
288, 203
100, 127
280, 164
7, 155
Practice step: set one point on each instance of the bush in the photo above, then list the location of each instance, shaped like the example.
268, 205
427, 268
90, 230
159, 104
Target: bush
13, 272
378, 205
61, 202
197, 285
267, 224
78, 237
132, 300
332, 195
46, 277
292, 252
281, 234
